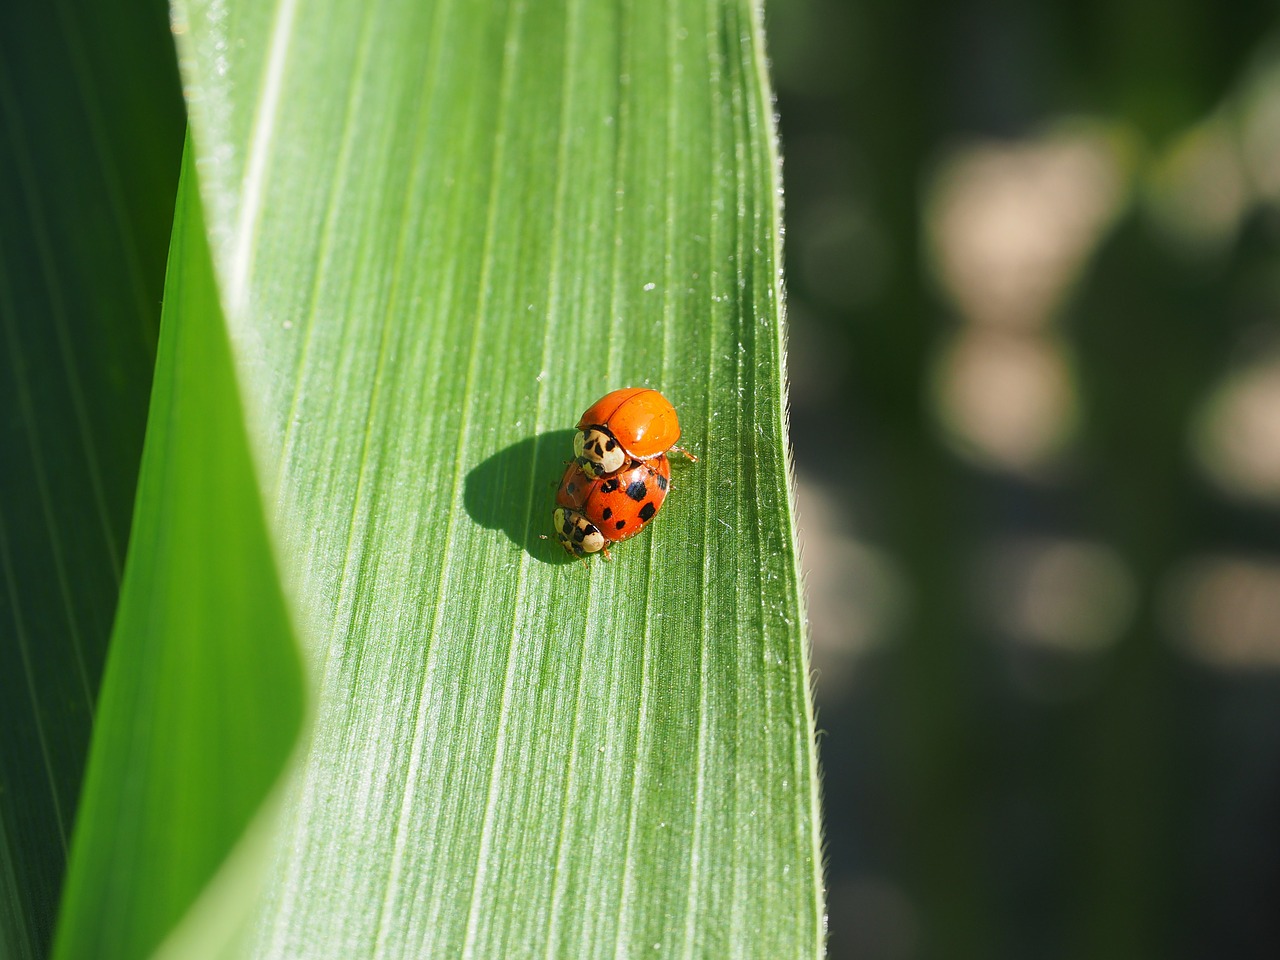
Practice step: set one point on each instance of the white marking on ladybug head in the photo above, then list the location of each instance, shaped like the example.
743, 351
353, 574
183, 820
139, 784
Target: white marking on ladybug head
593, 541
597, 452
576, 533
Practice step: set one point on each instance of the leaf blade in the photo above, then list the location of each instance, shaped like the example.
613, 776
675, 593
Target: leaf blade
88, 165
202, 694
483, 218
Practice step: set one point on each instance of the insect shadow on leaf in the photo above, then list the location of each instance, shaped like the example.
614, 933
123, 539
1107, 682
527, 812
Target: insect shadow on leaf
514, 491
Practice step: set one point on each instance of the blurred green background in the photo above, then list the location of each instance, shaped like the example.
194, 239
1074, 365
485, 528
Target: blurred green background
1033, 260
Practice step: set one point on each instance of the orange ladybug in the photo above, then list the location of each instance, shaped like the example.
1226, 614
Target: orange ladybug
636, 423
593, 512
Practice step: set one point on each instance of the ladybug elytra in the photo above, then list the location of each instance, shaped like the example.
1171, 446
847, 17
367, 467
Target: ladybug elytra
592, 512
636, 423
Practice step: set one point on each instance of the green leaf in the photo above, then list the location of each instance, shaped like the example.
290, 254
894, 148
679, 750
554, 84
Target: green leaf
88, 166
440, 230
202, 696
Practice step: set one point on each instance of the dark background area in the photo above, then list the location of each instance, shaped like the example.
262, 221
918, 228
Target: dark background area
1033, 264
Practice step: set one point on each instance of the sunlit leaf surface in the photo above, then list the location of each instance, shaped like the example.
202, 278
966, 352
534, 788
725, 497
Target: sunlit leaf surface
440, 230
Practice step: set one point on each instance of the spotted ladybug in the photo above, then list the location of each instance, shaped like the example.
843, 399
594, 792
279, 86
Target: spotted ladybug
593, 512
637, 423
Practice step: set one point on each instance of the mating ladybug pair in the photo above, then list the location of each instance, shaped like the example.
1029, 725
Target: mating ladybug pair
620, 473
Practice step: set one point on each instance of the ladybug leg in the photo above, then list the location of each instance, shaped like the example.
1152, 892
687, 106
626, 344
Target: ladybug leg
605, 551
685, 453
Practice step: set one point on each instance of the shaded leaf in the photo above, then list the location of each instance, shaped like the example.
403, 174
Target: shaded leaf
202, 695
88, 167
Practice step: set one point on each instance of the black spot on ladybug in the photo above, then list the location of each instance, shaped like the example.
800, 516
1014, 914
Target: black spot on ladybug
647, 511
662, 483
620, 524
610, 445
579, 534
609, 485
637, 490
572, 487
608, 512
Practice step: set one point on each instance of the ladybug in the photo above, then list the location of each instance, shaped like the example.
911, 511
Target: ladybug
636, 423
593, 512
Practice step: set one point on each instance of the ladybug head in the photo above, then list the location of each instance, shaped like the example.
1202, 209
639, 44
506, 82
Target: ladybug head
576, 533
598, 453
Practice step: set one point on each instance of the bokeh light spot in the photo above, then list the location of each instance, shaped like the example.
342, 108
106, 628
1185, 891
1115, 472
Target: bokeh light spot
1072, 596
1006, 399
1237, 436
1225, 610
856, 593
1010, 224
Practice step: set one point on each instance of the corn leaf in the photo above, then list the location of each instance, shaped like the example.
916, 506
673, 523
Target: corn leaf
202, 699
88, 167
439, 231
